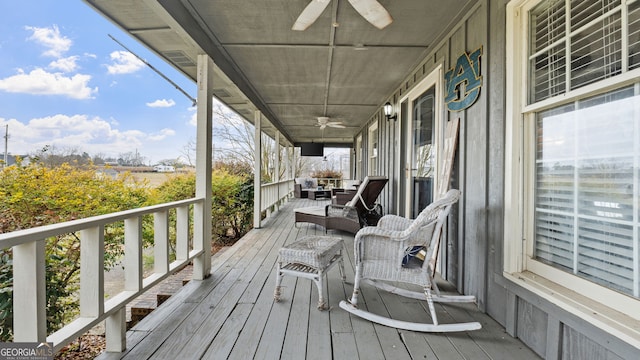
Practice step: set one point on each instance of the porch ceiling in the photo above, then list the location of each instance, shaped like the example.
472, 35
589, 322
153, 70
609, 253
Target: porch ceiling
292, 77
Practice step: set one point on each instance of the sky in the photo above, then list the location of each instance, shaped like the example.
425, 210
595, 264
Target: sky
66, 84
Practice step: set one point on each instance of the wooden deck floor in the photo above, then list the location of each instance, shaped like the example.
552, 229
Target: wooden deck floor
232, 315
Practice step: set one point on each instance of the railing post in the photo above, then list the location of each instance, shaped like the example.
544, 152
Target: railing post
116, 331
92, 272
29, 292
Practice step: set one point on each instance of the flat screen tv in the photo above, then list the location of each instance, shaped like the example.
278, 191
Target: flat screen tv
311, 149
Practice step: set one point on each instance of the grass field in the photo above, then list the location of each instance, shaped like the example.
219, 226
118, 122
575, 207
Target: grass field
154, 178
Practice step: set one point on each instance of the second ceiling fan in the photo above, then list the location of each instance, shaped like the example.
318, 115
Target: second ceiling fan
371, 10
323, 122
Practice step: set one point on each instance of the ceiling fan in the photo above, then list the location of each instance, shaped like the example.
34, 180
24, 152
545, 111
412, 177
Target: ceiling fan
371, 10
323, 122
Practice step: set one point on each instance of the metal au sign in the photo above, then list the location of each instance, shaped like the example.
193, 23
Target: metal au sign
463, 81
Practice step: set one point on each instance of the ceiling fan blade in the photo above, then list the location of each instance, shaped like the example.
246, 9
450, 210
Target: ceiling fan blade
336, 124
371, 10
322, 126
310, 14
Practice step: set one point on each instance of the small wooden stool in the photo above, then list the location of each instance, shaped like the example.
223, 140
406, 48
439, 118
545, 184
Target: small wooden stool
310, 257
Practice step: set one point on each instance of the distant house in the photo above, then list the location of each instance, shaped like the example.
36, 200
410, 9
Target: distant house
12, 159
164, 168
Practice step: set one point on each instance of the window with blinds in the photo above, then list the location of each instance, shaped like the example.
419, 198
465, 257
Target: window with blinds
634, 35
580, 42
587, 188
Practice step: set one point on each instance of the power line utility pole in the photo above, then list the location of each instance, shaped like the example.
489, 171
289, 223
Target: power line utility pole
6, 145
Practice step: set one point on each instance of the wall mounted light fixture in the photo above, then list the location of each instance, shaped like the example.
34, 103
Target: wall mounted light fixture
388, 108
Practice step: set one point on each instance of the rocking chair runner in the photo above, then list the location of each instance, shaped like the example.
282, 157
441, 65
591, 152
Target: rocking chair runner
379, 253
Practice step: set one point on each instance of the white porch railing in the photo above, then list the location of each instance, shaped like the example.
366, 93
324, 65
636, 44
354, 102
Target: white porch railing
273, 195
29, 287
330, 182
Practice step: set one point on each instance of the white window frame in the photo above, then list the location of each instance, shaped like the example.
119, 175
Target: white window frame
590, 301
359, 156
373, 155
433, 79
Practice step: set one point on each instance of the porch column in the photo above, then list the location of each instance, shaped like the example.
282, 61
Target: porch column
287, 169
276, 171
257, 186
202, 211
294, 162
276, 175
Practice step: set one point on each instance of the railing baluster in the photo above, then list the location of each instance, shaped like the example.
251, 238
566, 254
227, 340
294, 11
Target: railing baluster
133, 253
182, 232
92, 272
161, 242
29, 292
116, 323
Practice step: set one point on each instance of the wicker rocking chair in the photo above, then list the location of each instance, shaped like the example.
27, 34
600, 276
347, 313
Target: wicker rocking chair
381, 256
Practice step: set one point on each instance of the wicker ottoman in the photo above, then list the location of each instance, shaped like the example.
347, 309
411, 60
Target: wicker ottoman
310, 257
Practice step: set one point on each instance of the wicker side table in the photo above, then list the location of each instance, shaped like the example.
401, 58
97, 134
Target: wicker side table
310, 257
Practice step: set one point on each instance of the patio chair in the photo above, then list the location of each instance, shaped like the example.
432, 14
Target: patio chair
381, 254
348, 217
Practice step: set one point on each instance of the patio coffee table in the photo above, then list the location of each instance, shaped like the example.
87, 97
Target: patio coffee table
310, 257
319, 194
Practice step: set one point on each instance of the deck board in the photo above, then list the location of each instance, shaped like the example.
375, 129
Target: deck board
232, 315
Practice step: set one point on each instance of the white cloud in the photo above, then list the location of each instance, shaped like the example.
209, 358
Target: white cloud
67, 64
93, 135
193, 121
162, 103
51, 39
162, 134
41, 82
124, 63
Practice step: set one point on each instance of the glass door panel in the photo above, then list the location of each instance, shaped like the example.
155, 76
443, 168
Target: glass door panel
423, 154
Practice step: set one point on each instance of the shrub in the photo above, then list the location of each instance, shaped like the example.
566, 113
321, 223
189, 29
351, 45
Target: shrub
33, 196
232, 206
327, 173
232, 201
